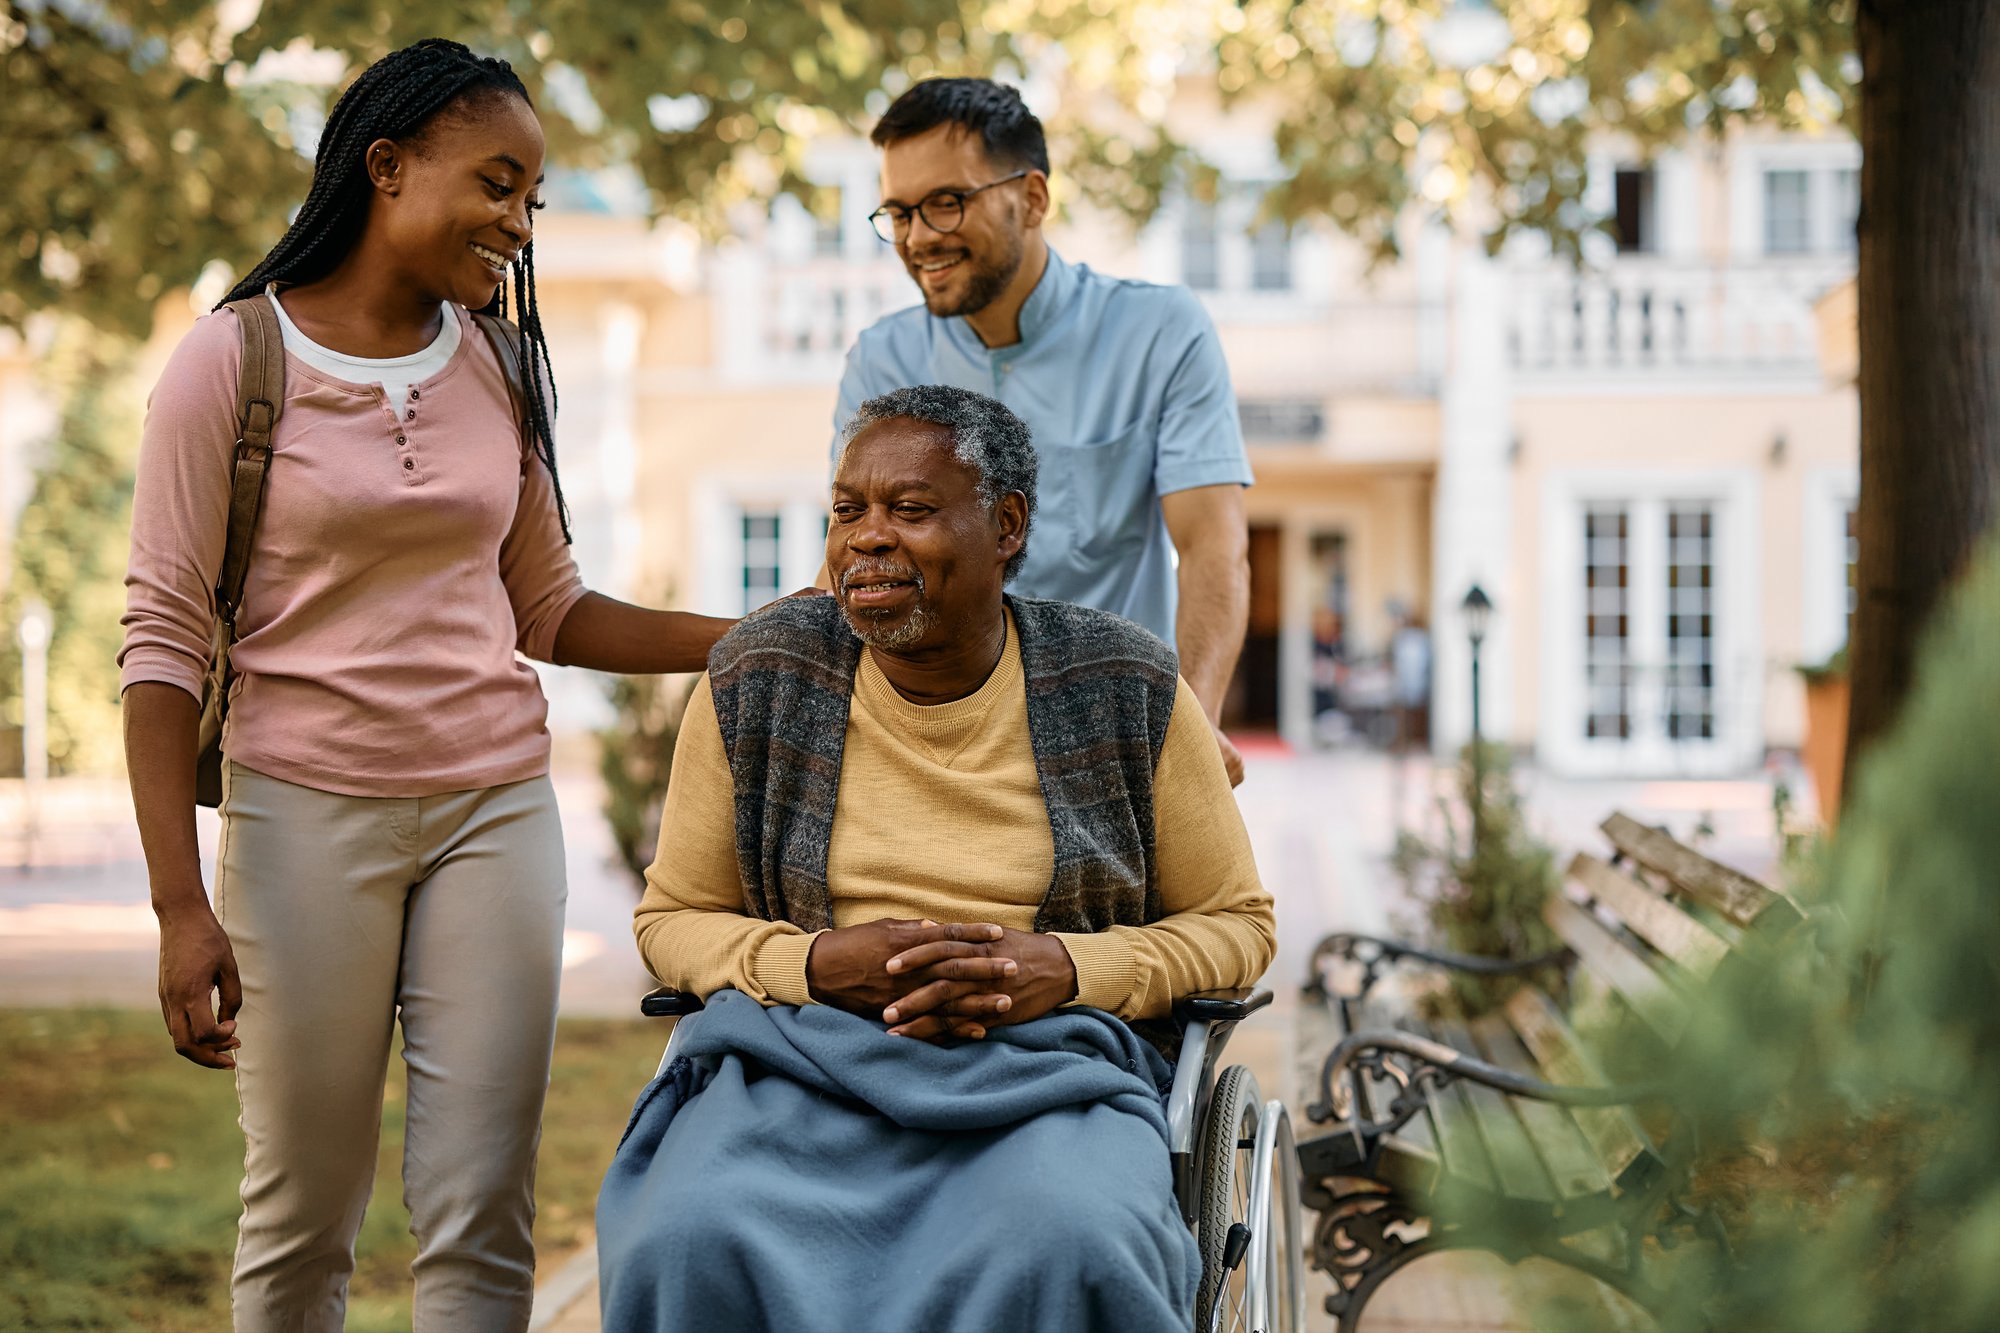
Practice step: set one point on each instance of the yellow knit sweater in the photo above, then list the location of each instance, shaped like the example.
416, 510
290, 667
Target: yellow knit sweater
940, 816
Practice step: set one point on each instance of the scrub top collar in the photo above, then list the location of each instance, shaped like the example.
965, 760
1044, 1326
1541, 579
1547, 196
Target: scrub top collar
1044, 306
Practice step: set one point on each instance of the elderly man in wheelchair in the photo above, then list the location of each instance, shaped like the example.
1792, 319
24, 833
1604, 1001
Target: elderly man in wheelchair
955, 909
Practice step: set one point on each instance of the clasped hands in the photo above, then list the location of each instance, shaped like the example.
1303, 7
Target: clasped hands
932, 982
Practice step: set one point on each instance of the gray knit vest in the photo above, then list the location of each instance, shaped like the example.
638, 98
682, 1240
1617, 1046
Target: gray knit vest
1100, 693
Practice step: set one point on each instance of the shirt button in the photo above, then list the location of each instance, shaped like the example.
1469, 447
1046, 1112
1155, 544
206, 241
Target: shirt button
412, 415
414, 394
409, 465
402, 439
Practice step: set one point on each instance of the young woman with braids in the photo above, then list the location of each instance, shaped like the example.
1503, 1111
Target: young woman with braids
390, 847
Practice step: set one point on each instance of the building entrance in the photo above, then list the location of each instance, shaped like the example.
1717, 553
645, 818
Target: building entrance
1252, 702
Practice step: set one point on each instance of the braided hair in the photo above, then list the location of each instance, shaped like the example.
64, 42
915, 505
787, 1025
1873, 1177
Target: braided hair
396, 98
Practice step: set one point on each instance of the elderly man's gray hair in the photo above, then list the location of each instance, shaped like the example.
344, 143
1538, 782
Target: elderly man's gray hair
985, 436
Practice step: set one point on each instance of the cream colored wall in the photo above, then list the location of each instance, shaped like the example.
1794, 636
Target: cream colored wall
1839, 314
1695, 434
688, 436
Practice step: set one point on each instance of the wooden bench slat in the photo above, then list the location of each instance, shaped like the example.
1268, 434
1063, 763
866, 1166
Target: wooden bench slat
1458, 1129
1516, 1164
1630, 975
1612, 1130
1693, 947
1566, 1154
1738, 897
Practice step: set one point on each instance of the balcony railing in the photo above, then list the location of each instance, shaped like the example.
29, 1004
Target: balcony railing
1652, 317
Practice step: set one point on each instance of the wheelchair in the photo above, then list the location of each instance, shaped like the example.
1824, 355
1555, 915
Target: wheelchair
1235, 1167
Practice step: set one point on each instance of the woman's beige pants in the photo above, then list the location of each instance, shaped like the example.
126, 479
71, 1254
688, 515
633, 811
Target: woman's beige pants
348, 913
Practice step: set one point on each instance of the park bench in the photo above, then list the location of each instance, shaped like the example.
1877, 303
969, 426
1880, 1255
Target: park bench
1508, 1120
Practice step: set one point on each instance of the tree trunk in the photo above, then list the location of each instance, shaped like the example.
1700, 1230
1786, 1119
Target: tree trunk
1930, 328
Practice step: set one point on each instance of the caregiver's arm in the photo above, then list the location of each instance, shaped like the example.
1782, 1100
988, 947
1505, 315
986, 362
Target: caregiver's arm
691, 927
1217, 930
605, 634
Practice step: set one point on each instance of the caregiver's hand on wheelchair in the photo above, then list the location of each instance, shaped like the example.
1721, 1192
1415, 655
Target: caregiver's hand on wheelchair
934, 982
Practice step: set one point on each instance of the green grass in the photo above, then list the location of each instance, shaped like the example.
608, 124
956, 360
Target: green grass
119, 1165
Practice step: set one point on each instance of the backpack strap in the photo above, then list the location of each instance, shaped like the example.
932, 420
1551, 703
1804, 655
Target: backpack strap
506, 340
260, 400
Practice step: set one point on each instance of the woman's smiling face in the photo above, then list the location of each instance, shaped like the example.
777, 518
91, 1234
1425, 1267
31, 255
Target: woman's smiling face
457, 201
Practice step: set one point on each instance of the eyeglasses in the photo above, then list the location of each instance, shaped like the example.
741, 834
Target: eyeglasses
941, 210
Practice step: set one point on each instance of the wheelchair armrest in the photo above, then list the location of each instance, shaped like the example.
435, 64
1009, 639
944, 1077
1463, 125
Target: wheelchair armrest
1220, 1006
666, 1002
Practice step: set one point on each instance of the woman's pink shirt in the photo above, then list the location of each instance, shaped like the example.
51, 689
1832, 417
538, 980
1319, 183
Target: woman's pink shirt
401, 561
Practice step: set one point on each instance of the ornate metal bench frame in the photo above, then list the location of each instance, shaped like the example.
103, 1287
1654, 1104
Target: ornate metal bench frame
1367, 1228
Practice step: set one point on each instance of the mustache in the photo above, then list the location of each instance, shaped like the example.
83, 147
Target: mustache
875, 566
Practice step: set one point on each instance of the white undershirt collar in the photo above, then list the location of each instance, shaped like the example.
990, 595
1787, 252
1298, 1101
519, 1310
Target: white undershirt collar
394, 373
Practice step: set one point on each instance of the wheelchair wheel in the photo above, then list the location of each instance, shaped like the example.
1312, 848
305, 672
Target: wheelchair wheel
1277, 1252
1224, 1220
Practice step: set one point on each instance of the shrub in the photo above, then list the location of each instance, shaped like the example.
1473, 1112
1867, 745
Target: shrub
1848, 1095
635, 756
1484, 884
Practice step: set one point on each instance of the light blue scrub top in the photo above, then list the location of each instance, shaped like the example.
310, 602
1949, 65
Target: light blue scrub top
1124, 387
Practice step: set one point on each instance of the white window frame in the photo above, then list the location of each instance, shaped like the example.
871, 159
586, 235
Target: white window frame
718, 506
1647, 243
1843, 209
1829, 494
829, 235
1819, 157
1676, 214
1808, 181
1739, 649
770, 552
1216, 242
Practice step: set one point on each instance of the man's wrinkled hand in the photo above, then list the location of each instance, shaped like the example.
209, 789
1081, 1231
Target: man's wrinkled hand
849, 968
946, 1001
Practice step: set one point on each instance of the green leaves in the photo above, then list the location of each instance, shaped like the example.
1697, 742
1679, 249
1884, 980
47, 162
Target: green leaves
1483, 884
1848, 1092
143, 140
69, 550
130, 162
1485, 115
635, 756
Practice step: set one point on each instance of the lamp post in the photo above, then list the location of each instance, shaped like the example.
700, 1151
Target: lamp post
1478, 611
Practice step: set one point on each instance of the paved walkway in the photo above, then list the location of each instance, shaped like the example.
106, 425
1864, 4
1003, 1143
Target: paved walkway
75, 928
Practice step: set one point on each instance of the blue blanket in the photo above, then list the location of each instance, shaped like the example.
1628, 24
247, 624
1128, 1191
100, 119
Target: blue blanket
800, 1169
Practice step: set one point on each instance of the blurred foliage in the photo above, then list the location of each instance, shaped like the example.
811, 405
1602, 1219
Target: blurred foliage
69, 552
1484, 114
635, 757
144, 139
131, 160
1482, 892
1846, 1093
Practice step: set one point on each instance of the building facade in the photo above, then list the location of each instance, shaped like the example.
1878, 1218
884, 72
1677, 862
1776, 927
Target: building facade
1642, 462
